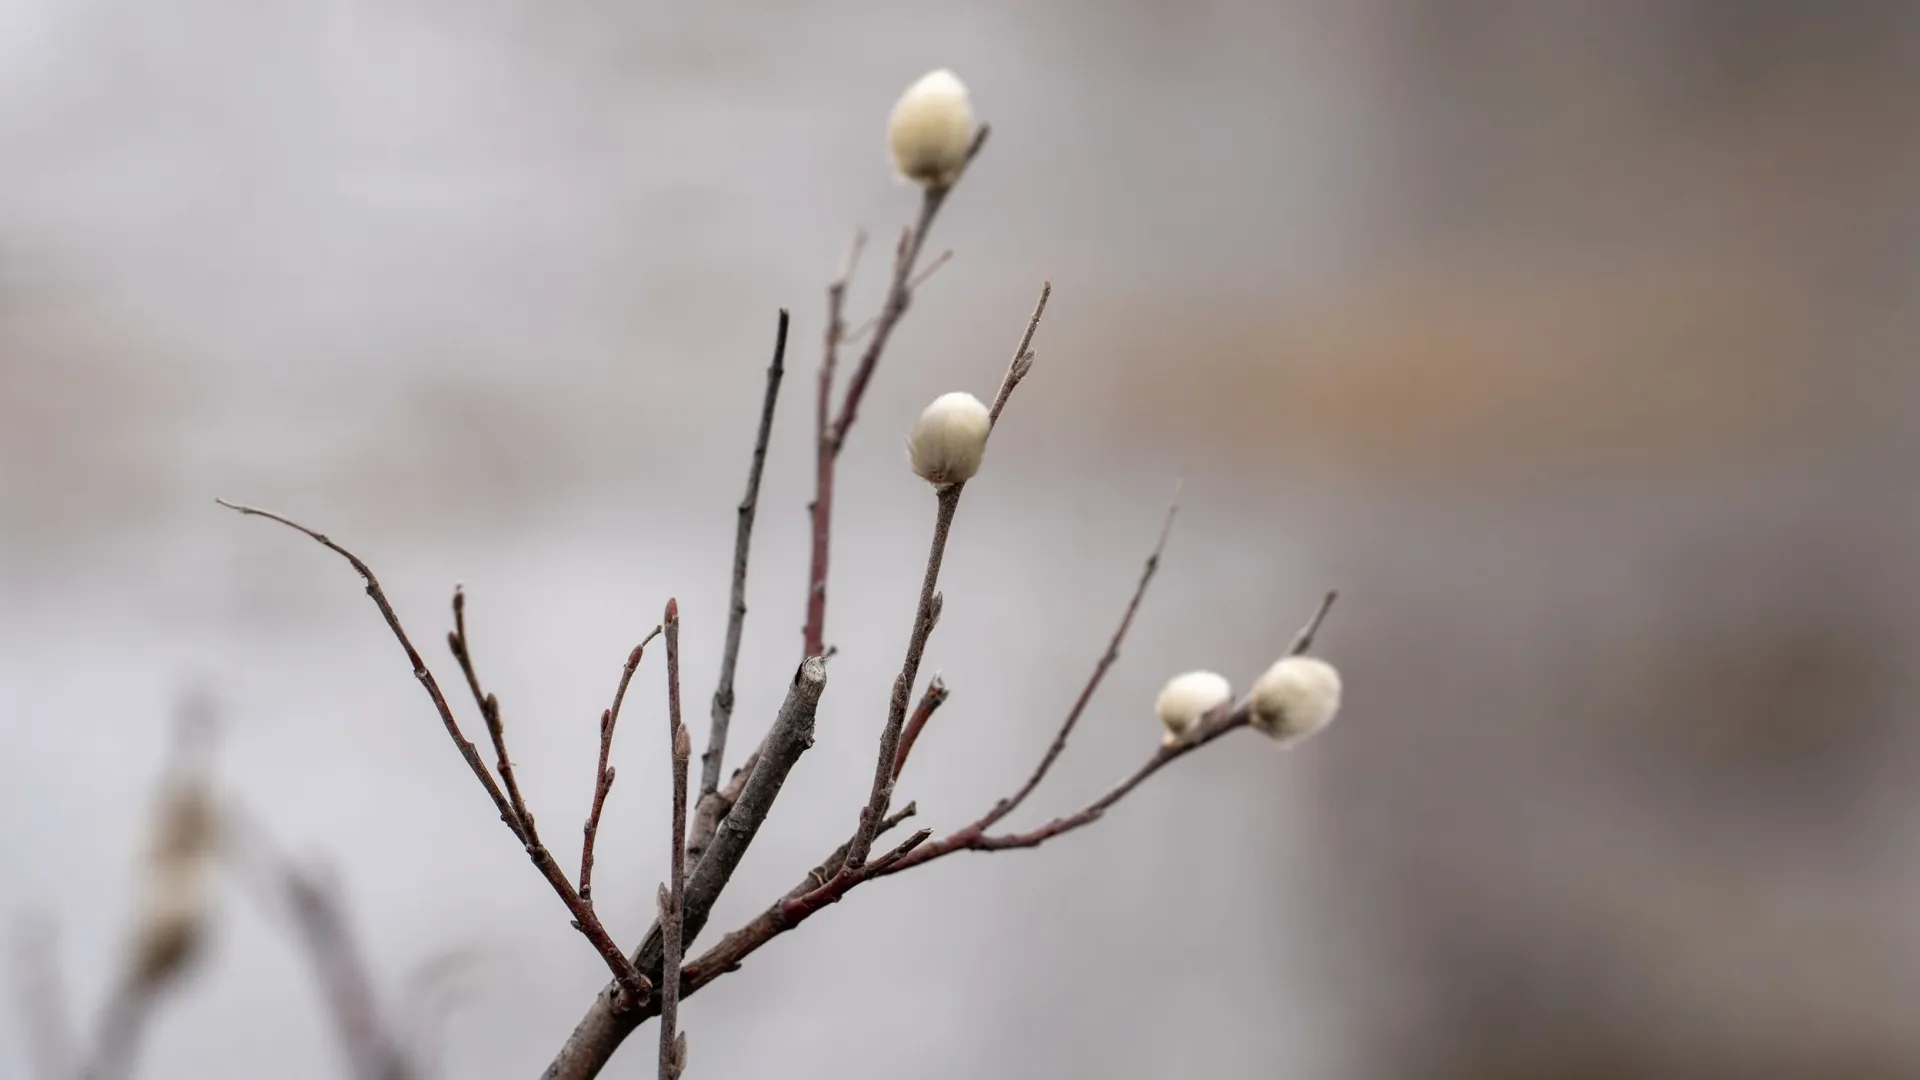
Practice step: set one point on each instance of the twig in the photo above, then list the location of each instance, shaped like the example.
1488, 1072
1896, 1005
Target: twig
634, 986
899, 294
933, 266
712, 758
820, 510
935, 697
799, 904
489, 706
1304, 639
603, 775
831, 429
946, 502
1022, 357
673, 1050
41, 998
606, 1024
467, 750
1107, 659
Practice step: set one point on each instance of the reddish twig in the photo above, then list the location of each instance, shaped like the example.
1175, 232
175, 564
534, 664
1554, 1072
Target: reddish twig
489, 707
1022, 357
634, 986
947, 501
933, 266
1107, 659
801, 903
935, 697
820, 510
606, 1024
603, 775
673, 1050
831, 428
714, 756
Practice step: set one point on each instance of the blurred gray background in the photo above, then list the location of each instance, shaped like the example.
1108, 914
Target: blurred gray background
1573, 342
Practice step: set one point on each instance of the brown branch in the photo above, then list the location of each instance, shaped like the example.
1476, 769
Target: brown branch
712, 758
603, 775
933, 266
935, 697
820, 510
489, 706
467, 750
673, 1050
899, 294
801, 903
606, 1023
830, 429
1022, 357
947, 501
1107, 659
633, 984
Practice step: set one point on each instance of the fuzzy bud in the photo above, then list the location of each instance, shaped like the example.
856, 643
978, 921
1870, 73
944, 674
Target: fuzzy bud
949, 439
1296, 697
1187, 700
173, 909
931, 129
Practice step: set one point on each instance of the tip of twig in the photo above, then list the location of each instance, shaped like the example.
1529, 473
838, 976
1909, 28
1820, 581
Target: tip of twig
673, 610
1304, 639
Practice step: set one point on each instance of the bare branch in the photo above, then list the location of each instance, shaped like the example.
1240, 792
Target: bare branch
1304, 639
820, 510
607, 1023
458, 644
714, 756
831, 429
935, 697
420, 672
947, 501
933, 267
672, 895
603, 775
1009, 804
1022, 357
633, 984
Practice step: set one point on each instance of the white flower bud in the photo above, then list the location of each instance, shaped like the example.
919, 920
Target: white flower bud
1296, 697
949, 439
931, 129
174, 902
1188, 699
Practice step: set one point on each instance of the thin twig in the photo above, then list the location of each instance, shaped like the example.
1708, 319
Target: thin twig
634, 986
1022, 357
467, 750
933, 266
712, 758
672, 1049
820, 510
462, 649
1107, 659
603, 775
947, 501
935, 697
1304, 639
899, 294
830, 428
799, 904
607, 1023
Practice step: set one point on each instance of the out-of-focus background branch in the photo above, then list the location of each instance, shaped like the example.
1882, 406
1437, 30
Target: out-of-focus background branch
1573, 342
